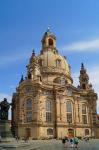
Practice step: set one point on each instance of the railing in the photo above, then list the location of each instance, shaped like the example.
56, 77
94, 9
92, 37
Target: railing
53, 70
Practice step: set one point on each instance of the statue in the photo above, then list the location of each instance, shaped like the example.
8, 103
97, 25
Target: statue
4, 108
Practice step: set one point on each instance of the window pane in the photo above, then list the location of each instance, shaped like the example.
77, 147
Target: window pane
83, 109
62, 81
48, 117
69, 117
58, 63
69, 107
84, 119
48, 106
48, 111
29, 116
29, 104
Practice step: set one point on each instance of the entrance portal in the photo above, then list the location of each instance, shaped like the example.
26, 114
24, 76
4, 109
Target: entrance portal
70, 132
28, 132
86, 132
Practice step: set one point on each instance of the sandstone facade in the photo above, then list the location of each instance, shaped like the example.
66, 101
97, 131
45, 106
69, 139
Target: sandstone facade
47, 104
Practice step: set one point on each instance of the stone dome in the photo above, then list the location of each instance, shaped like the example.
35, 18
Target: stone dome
52, 64
50, 59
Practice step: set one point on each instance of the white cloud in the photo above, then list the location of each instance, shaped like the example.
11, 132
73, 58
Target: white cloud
14, 57
93, 73
91, 45
3, 95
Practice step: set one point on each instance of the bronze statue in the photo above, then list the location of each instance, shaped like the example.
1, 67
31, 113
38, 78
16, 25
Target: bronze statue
4, 108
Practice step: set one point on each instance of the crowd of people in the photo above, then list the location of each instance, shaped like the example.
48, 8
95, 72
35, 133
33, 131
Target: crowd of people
70, 142
73, 141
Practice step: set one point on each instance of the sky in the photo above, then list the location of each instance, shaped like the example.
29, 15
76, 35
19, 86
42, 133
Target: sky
22, 25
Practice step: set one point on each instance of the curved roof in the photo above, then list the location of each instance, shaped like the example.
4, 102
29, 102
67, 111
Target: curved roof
49, 60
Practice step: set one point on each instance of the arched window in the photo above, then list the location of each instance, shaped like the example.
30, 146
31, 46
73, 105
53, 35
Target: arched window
50, 42
69, 111
83, 86
84, 114
48, 111
62, 81
28, 132
58, 63
29, 104
49, 131
86, 132
41, 62
71, 132
29, 110
29, 116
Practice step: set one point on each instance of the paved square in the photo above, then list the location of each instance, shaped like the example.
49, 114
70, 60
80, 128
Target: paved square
55, 145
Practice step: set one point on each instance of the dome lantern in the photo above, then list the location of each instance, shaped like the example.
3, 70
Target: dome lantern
49, 41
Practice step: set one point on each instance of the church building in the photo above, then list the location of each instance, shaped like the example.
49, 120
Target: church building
46, 104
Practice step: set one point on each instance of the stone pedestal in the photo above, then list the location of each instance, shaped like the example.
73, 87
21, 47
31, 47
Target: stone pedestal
5, 131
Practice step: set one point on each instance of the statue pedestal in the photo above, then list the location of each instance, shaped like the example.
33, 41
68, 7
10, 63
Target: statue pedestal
5, 131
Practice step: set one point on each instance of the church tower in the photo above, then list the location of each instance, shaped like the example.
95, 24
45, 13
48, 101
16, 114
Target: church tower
33, 69
84, 79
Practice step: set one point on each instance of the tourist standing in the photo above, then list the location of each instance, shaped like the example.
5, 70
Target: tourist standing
76, 141
71, 142
64, 141
16, 137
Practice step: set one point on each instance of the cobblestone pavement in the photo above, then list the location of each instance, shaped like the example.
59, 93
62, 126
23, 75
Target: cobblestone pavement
57, 145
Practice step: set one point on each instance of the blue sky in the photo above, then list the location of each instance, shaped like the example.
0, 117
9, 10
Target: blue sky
23, 23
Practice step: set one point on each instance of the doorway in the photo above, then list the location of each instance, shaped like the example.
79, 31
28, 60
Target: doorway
70, 132
28, 132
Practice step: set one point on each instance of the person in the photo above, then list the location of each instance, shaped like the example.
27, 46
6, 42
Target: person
26, 138
66, 138
71, 142
16, 137
66, 141
63, 141
76, 141
86, 139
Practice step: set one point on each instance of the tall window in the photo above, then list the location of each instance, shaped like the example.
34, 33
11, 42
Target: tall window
29, 104
62, 81
41, 62
29, 116
48, 111
69, 111
50, 41
84, 114
29, 110
49, 131
58, 63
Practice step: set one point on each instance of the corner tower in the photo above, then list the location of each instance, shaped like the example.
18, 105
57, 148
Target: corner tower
84, 79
